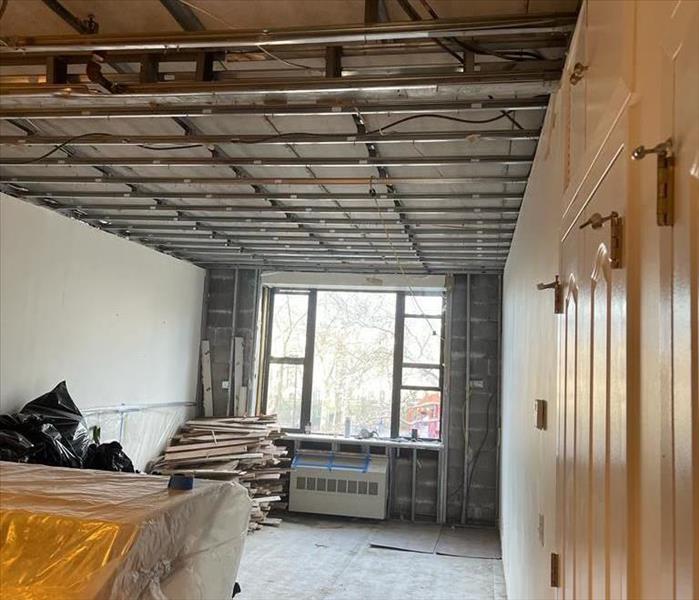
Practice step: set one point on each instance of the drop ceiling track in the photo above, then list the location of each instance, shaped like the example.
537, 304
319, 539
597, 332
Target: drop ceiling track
268, 196
99, 139
86, 111
364, 181
292, 209
463, 231
305, 219
477, 27
343, 162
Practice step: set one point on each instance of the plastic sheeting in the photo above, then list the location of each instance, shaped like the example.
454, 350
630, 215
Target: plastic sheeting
143, 431
81, 534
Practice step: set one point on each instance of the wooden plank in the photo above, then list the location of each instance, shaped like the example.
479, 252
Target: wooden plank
206, 378
208, 446
238, 407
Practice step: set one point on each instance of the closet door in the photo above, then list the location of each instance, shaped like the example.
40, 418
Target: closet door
593, 440
678, 273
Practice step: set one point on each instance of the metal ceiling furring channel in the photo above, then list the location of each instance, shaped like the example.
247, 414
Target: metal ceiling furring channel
393, 147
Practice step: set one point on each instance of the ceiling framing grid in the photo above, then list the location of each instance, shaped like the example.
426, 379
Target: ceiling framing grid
378, 147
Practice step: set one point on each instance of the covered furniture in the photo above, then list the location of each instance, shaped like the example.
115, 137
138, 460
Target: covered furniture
82, 534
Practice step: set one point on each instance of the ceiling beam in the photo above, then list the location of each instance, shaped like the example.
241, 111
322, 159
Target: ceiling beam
258, 196
161, 110
225, 161
183, 14
491, 210
301, 219
363, 181
99, 139
337, 34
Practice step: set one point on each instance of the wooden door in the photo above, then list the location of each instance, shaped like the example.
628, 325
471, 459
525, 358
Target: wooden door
593, 338
678, 27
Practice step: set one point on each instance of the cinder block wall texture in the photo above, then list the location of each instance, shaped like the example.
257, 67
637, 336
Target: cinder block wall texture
225, 293
474, 399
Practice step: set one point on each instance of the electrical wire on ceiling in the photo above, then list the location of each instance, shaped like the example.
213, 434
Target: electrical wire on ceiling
372, 193
59, 147
260, 48
264, 139
514, 56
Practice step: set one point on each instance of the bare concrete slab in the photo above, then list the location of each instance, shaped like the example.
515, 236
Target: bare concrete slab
405, 535
329, 558
469, 542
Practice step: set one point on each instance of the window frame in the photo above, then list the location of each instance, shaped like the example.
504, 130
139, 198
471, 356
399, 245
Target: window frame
308, 358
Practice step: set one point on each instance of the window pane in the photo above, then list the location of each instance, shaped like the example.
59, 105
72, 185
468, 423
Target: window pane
423, 305
422, 342
353, 366
289, 325
420, 410
424, 377
284, 393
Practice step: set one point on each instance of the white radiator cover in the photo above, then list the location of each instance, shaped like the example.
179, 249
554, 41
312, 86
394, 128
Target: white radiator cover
328, 483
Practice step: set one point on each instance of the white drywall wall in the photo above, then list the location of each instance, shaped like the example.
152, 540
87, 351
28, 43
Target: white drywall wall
118, 321
528, 459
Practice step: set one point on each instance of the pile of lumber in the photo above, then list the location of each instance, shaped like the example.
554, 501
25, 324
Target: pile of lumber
233, 449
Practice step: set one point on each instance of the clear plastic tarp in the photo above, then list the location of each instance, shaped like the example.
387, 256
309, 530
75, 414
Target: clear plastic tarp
78, 534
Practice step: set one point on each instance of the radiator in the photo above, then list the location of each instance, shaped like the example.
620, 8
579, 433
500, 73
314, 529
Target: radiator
329, 483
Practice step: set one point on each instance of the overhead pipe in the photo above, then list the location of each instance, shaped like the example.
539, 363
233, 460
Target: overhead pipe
473, 27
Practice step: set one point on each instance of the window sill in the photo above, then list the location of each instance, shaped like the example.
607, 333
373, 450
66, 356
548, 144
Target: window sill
391, 443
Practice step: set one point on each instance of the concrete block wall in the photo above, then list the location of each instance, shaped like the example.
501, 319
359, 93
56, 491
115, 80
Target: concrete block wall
228, 288
474, 405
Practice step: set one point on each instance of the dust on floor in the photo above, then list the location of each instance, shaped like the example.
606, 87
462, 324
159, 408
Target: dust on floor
325, 558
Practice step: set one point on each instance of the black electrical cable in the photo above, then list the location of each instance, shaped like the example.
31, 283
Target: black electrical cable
183, 147
505, 114
59, 147
476, 456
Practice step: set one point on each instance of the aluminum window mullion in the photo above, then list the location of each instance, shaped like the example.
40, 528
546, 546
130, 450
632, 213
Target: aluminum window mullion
309, 352
425, 366
399, 335
287, 360
269, 318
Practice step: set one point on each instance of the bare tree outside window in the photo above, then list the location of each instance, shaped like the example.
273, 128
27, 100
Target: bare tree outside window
351, 355
352, 374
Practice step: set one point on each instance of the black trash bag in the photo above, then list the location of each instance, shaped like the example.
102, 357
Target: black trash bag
28, 438
108, 457
14, 447
57, 408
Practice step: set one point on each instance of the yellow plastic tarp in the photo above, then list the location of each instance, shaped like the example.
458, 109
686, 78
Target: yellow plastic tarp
80, 534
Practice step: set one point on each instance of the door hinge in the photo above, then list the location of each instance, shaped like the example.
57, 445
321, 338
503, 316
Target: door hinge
555, 570
666, 179
557, 288
616, 246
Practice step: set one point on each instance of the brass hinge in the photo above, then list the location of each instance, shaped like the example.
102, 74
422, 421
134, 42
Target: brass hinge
666, 179
616, 245
557, 288
555, 570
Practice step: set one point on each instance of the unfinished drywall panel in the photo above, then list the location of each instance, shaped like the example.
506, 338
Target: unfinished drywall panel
528, 475
232, 313
118, 321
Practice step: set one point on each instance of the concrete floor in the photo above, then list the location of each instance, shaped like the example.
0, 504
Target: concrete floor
319, 558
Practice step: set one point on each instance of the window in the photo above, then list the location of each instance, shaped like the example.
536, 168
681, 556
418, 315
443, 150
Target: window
347, 361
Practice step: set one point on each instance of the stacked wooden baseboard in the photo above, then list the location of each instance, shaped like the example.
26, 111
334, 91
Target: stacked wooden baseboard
233, 449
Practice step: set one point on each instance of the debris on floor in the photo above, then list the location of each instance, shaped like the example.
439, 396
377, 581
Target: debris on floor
237, 449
